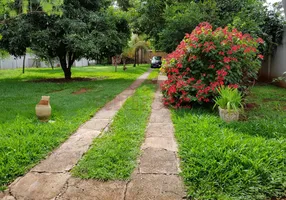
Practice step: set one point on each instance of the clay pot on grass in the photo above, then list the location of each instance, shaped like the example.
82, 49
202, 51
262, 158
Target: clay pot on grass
43, 109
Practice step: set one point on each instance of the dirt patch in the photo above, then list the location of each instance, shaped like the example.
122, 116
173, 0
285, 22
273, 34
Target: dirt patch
250, 106
81, 91
63, 80
153, 81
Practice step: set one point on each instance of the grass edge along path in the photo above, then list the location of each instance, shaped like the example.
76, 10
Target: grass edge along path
114, 155
238, 160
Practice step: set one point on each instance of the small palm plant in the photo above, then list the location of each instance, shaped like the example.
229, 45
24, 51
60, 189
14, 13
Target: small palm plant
229, 103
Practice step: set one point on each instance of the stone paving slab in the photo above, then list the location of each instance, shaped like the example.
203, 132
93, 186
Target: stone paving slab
155, 187
116, 103
157, 105
160, 130
157, 161
39, 186
105, 114
67, 155
78, 189
128, 92
160, 117
8, 197
160, 143
96, 124
59, 162
81, 132
4, 195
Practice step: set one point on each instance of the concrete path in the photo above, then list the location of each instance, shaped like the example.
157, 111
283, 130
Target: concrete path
156, 177
49, 178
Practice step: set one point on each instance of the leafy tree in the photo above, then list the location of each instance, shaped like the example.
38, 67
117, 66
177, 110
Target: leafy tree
182, 18
13, 8
3, 54
150, 19
166, 22
86, 29
15, 38
124, 4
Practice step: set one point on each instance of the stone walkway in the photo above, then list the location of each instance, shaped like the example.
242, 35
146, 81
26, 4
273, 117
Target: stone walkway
155, 178
157, 175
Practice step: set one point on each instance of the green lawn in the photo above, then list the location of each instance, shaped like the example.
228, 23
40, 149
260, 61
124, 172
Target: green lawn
24, 141
239, 160
114, 155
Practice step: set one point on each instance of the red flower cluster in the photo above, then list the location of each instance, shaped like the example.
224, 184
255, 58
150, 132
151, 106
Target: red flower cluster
207, 59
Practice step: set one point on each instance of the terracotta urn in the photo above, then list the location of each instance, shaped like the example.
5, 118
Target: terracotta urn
228, 115
43, 109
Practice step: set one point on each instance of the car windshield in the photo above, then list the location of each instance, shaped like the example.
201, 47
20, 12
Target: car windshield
157, 58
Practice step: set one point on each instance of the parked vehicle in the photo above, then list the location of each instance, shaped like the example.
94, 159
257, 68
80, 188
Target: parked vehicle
156, 62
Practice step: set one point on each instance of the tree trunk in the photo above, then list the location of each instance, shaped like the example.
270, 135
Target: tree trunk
65, 67
124, 63
24, 60
135, 58
51, 63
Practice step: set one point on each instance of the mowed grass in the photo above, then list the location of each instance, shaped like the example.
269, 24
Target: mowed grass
24, 141
114, 155
154, 74
239, 160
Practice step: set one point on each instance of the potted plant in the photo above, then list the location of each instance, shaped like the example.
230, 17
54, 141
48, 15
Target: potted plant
281, 81
229, 103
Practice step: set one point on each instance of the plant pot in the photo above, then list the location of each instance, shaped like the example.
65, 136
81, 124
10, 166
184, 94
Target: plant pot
228, 116
43, 109
282, 84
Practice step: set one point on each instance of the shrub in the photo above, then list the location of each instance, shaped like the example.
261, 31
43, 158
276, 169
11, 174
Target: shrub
206, 60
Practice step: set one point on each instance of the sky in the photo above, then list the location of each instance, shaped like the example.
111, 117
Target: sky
272, 1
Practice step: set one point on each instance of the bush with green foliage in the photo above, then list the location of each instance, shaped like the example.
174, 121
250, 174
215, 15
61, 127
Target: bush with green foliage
206, 60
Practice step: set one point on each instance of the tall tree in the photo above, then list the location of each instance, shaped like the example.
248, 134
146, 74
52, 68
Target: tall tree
182, 18
166, 22
86, 29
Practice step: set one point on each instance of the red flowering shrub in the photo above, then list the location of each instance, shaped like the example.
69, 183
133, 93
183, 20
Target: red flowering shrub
208, 59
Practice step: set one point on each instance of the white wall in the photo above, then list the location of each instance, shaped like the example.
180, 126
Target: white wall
13, 63
80, 63
279, 59
275, 65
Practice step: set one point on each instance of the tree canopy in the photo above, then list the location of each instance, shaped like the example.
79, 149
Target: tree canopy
89, 29
166, 21
13, 7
